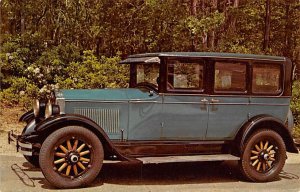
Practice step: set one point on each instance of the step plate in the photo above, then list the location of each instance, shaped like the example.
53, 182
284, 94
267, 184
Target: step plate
191, 158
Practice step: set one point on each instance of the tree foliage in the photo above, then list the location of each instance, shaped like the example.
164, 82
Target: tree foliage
78, 43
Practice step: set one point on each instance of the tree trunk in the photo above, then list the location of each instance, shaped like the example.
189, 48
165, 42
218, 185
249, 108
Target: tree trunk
287, 33
193, 11
267, 26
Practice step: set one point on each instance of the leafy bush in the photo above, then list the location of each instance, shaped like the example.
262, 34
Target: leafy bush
62, 66
295, 107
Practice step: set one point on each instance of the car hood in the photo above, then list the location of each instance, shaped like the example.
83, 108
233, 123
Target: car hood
103, 94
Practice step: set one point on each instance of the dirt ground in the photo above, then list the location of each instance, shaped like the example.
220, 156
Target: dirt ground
9, 120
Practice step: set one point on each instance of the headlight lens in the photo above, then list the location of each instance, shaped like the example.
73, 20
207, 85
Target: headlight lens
39, 108
48, 111
36, 107
51, 109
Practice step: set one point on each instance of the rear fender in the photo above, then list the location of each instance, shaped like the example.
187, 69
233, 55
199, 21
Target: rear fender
269, 122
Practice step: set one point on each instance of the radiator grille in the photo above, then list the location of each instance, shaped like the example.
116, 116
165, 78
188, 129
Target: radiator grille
108, 119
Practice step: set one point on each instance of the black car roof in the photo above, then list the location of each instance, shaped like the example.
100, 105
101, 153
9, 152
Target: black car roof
146, 56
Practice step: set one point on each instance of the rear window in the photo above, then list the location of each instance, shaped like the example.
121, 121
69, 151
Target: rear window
266, 78
230, 77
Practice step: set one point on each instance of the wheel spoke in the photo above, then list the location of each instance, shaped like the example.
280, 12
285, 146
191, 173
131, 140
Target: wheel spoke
63, 149
272, 153
84, 159
258, 166
84, 153
271, 159
69, 145
254, 157
80, 165
266, 145
59, 161
255, 162
68, 170
261, 145
257, 148
81, 147
269, 149
255, 152
264, 166
75, 169
75, 144
60, 154
62, 167
268, 163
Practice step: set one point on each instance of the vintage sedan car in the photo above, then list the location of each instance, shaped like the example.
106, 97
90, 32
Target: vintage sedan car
179, 107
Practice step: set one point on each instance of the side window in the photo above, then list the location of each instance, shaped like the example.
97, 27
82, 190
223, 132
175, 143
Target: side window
147, 73
266, 78
230, 77
185, 75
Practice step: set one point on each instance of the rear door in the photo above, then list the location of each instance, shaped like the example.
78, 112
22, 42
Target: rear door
229, 103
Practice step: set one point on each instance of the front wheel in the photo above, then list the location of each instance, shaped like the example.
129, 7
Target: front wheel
263, 156
33, 160
71, 157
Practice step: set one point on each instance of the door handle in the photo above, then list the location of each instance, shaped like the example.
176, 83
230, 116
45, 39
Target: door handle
204, 100
215, 100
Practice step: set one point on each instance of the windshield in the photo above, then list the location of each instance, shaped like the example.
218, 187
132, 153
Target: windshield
147, 73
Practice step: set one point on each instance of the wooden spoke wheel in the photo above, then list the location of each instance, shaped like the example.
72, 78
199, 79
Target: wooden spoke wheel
264, 156
71, 157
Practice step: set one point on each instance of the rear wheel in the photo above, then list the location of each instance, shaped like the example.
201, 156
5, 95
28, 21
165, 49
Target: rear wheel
263, 157
71, 157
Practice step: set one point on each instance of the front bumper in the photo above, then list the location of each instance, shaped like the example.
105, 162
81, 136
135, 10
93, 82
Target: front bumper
23, 147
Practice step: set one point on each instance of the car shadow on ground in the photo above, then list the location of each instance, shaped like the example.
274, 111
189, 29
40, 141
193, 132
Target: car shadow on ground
169, 173
126, 173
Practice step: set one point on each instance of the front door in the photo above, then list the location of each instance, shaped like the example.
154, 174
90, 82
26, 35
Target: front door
185, 107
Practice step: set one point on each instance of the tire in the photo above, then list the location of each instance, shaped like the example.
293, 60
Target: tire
71, 157
33, 160
263, 156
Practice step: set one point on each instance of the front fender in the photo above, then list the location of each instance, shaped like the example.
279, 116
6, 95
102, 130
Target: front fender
49, 125
269, 122
27, 117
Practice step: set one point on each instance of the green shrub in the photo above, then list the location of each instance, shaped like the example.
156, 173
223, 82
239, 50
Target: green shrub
62, 66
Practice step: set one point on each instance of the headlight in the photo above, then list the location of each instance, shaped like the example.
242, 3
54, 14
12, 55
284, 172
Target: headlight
38, 108
51, 109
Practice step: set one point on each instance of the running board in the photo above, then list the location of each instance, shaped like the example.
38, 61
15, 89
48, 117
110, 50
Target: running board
191, 158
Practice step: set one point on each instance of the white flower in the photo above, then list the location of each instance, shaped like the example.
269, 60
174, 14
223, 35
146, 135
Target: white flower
37, 70
22, 93
40, 75
56, 86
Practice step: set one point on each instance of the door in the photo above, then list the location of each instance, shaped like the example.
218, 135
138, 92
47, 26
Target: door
229, 104
185, 107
